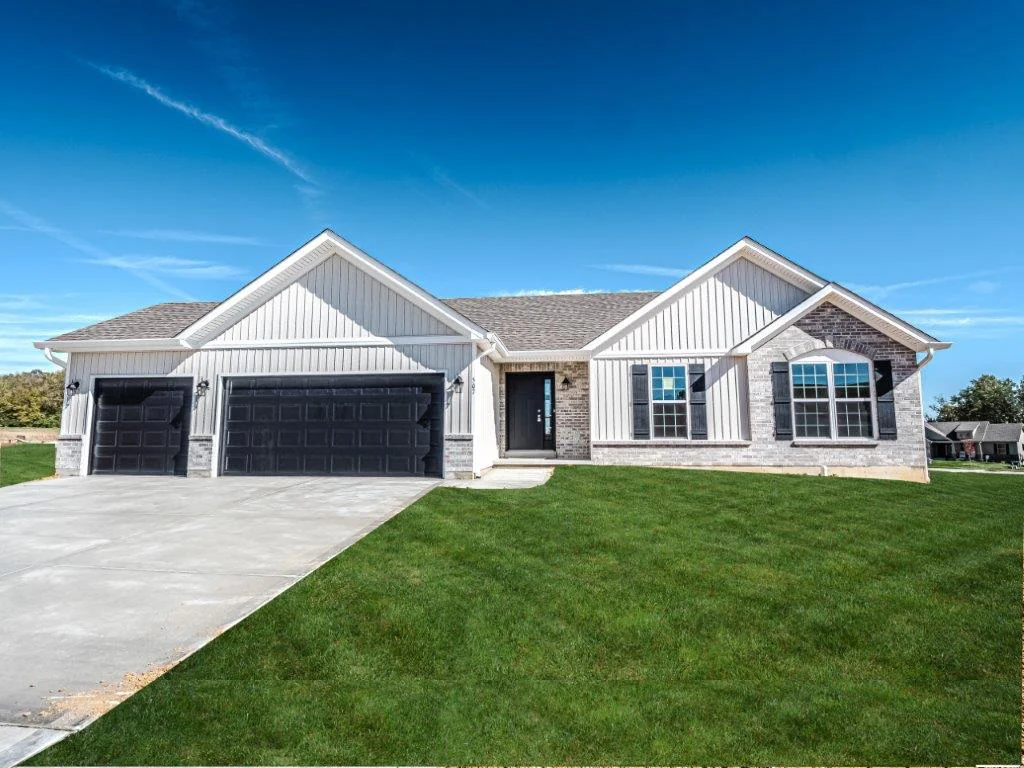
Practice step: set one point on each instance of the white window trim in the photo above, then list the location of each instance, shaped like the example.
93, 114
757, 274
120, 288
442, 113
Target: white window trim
829, 359
651, 401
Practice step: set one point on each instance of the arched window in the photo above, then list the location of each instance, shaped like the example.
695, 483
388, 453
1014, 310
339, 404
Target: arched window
833, 396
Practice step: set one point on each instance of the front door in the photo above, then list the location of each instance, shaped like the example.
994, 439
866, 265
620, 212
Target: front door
531, 411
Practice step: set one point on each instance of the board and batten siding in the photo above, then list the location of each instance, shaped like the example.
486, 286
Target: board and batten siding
451, 359
715, 314
727, 396
335, 300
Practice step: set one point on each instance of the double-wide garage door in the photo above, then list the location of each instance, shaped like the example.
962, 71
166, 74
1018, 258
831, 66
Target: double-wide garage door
333, 425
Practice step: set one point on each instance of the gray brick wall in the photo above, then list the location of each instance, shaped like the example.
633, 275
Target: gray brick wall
572, 406
200, 455
825, 327
68, 461
458, 456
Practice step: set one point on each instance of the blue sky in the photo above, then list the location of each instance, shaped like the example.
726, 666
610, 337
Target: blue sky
167, 151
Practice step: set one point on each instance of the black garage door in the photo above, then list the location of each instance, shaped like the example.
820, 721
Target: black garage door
334, 425
141, 426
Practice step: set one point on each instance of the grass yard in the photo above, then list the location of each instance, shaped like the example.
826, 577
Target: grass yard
27, 461
986, 466
623, 616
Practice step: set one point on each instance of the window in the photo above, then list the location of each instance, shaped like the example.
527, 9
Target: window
810, 400
832, 397
668, 401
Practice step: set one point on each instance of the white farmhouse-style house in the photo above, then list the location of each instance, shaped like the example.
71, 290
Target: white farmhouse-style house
332, 363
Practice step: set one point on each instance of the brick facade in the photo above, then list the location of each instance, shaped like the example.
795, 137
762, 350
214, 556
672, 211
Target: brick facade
68, 461
200, 455
825, 327
458, 457
572, 406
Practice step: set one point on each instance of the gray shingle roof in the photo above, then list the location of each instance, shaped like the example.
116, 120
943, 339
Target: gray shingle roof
556, 321
161, 321
1002, 433
988, 432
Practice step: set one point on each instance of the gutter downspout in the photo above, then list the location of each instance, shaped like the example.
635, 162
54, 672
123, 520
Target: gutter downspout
62, 364
928, 356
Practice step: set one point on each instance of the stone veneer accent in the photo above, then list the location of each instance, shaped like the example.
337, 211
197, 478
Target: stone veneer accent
68, 461
572, 406
458, 457
200, 455
826, 327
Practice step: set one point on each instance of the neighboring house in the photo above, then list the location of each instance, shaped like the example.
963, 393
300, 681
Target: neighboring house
332, 363
979, 440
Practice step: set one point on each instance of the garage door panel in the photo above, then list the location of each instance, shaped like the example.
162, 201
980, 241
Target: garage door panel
141, 426
358, 424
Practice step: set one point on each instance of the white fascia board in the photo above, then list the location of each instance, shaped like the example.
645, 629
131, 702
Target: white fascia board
545, 355
235, 307
112, 345
765, 257
848, 301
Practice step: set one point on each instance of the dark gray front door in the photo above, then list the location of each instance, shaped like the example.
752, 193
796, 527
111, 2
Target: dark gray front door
334, 425
530, 406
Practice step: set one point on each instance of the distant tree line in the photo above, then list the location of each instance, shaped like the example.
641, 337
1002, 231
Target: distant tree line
31, 399
986, 398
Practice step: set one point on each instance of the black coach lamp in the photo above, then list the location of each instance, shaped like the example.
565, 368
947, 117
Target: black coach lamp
202, 388
72, 388
566, 383
457, 384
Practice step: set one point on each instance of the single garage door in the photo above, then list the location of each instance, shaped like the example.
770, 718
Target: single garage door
334, 425
141, 426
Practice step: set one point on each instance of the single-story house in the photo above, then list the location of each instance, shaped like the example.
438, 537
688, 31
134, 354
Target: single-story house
332, 363
980, 440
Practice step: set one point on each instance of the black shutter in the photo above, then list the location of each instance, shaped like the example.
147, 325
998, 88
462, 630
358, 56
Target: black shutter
781, 401
885, 403
698, 402
641, 404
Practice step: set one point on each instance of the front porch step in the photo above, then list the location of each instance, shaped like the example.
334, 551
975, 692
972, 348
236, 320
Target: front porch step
523, 461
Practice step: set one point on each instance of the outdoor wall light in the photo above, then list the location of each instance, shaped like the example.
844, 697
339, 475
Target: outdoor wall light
202, 388
72, 388
566, 383
457, 384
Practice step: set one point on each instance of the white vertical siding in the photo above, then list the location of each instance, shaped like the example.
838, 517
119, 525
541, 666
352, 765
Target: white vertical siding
727, 399
451, 359
717, 313
335, 300
485, 414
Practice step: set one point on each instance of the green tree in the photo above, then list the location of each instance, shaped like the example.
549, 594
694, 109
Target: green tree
31, 399
986, 398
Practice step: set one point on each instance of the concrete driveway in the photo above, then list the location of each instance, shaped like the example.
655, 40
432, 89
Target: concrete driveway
107, 581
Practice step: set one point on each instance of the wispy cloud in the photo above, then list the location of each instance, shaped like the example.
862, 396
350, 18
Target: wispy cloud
875, 291
184, 236
35, 224
253, 141
169, 265
443, 179
214, 31
939, 311
983, 287
20, 328
644, 269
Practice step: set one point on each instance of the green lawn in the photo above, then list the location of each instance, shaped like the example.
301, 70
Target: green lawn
623, 615
19, 463
986, 466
